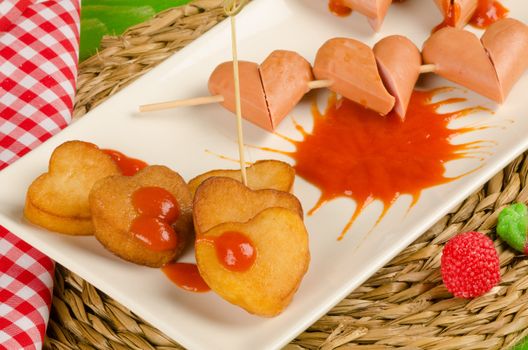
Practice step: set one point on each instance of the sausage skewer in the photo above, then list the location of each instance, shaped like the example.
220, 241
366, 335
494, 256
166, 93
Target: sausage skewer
381, 79
205, 100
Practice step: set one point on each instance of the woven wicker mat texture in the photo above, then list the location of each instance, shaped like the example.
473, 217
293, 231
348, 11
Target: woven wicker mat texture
404, 305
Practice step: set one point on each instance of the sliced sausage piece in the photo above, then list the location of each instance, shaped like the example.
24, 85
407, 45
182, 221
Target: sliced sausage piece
460, 57
252, 98
375, 10
285, 77
399, 62
351, 66
506, 42
459, 12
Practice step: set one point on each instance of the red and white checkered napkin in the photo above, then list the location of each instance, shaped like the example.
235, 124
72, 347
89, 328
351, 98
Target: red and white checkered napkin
38, 68
26, 284
39, 45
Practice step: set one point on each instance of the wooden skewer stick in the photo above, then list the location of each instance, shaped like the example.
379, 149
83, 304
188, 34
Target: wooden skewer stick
231, 8
315, 84
181, 103
427, 68
319, 84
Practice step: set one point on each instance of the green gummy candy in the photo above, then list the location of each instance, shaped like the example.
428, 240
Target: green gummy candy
513, 224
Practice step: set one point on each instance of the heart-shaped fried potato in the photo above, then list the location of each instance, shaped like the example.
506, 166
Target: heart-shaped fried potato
58, 200
138, 233
220, 199
264, 174
257, 265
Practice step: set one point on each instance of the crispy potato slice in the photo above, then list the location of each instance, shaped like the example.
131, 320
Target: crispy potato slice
264, 174
113, 213
221, 199
282, 258
62, 192
67, 225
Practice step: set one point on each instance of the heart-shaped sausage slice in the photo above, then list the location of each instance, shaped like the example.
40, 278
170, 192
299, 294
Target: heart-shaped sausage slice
252, 97
275, 240
285, 76
457, 12
58, 199
352, 68
220, 199
113, 202
399, 62
506, 42
460, 57
375, 10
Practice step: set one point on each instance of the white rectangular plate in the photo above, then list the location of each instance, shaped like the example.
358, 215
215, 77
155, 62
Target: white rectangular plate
179, 138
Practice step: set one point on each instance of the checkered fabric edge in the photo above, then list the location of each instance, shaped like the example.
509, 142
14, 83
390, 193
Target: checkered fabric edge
26, 284
38, 70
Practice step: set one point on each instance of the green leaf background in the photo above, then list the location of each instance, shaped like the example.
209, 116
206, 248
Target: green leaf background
112, 17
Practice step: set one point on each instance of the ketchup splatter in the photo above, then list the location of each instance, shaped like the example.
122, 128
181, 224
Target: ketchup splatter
487, 13
128, 166
353, 152
235, 251
158, 209
186, 276
338, 8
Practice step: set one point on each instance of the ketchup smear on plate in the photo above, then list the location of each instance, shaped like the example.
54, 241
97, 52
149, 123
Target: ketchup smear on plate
356, 153
235, 251
186, 276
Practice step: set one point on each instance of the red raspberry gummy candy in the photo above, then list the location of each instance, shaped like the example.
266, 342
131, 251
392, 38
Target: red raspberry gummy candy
470, 265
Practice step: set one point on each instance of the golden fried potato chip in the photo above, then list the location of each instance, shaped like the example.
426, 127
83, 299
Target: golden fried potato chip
220, 199
63, 224
264, 174
279, 243
62, 192
113, 213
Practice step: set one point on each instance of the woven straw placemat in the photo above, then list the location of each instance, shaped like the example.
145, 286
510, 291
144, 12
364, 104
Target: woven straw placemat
404, 305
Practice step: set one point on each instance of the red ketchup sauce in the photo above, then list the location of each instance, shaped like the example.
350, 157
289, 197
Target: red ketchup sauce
186, 276
128, 166
450, 18
235, 251
356, 153
158, 209
487, 13
338, 8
